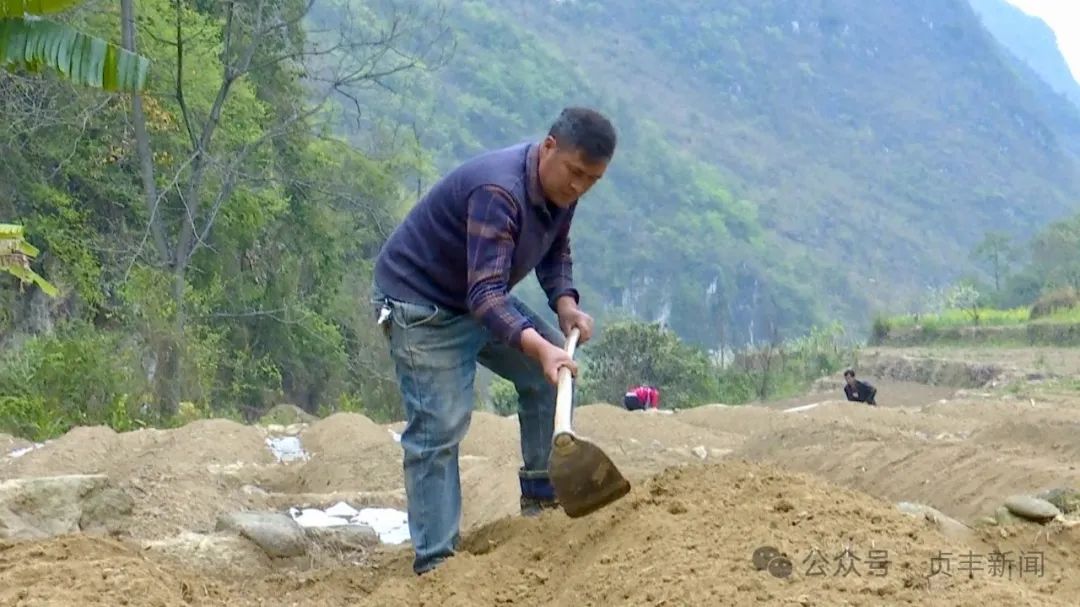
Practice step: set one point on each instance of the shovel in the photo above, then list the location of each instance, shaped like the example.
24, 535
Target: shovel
585, 479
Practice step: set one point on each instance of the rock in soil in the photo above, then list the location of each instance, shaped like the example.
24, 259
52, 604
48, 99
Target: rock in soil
1032, 508
277, 534
35, 508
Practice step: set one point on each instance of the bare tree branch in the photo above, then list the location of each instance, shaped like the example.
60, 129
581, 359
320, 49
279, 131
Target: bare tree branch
185, 113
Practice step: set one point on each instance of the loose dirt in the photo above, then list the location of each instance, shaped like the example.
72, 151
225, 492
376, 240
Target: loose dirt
9, 443
348, 452
711, 484
685, 537
81, 570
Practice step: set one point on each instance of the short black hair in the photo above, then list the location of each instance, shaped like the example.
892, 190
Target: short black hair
849, 373
587, 130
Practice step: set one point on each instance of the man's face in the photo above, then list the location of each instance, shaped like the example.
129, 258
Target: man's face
565, 175
850, 380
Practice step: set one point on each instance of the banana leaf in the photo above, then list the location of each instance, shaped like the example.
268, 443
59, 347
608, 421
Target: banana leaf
84, 60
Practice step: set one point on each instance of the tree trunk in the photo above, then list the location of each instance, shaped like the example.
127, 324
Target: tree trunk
142, 141
167, 377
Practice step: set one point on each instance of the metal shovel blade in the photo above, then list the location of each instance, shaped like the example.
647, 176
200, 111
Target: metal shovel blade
584, 477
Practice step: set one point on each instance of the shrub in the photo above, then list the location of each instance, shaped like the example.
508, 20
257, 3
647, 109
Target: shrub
1054, 301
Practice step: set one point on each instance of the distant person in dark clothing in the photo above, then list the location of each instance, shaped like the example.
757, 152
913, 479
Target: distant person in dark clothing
859, 391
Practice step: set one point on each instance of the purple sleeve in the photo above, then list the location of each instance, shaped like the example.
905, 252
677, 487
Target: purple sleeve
492, 228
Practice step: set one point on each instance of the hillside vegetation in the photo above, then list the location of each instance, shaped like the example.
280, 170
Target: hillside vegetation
1030, 40
781, 165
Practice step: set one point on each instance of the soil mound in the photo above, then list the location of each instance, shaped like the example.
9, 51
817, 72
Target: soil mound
178, 479
738, 420
961, 457
493, 436
687, 537
611, 423
348, 452
89, 570
101, 450
82, 450
354, 430
199, 445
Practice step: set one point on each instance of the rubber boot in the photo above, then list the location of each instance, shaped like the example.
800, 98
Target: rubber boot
537, 495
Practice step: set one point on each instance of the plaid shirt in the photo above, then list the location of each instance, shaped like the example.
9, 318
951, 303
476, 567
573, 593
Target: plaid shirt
479, 231
493, 221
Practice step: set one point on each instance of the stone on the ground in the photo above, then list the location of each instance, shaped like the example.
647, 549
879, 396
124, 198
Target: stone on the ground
37, 508
1066, 499
948, 526
277, 534
104, 510
214, 552
343, 538
1032, 508
700, 451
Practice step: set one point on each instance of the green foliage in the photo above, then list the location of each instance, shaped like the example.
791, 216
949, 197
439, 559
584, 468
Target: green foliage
1055, 253
629, 353
791, 209
503, 396
779, 370
726, 211
15, 256
78, 376
995, 250
960, 317
18, 8
1041, 292
1056, 302
272, 307
80, 58
1056, 321
62, 225
881, 328
662, 228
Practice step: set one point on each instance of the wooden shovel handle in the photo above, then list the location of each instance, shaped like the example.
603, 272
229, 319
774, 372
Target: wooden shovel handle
563, 397
571, 342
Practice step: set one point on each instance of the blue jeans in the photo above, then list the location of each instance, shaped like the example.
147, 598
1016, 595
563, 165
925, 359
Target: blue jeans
435, 353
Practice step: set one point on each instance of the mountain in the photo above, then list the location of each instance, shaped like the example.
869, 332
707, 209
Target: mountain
1030, 39
1029, 48
781, 162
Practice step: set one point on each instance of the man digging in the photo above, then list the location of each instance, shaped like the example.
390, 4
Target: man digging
441, 287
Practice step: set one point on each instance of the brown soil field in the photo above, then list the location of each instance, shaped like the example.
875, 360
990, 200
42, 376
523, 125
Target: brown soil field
710, 485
